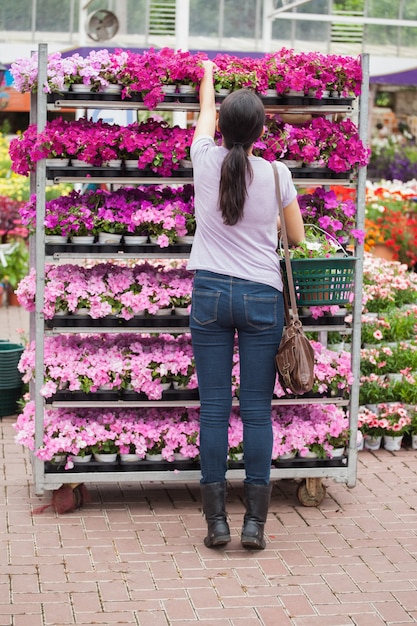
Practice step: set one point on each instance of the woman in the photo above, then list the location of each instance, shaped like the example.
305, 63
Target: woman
237, 288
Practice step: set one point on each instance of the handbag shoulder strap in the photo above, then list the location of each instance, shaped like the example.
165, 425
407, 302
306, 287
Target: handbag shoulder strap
290, 279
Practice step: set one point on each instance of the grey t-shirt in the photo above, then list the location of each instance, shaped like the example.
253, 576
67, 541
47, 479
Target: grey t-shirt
248, 249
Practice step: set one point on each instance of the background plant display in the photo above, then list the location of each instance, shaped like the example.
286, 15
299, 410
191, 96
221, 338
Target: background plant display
16, 264
391, 219
15, 187
387, 285
391, 325
390, 419
11, 227
393, 158
388, 370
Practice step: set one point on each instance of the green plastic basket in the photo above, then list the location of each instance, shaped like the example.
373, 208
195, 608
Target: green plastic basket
322, 282
10, 354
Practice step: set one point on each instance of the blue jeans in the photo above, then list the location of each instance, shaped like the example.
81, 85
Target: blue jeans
222, 305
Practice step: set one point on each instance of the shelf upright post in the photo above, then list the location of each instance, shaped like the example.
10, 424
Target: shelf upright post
40, 185
359, 253
33, 119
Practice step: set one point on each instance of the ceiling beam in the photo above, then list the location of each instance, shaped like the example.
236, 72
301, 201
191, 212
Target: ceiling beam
342, 19
288, 5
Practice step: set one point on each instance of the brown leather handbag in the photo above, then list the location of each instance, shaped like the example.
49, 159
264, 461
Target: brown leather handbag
294, 360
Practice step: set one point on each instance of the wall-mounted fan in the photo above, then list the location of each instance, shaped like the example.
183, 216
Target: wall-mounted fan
102, 25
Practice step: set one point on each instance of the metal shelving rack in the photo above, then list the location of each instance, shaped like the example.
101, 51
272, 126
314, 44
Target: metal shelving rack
310, 490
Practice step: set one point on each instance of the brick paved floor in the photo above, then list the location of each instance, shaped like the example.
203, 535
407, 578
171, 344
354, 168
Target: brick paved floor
135, 555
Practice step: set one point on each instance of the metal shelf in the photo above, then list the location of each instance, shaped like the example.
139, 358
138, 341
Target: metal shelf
287, 104
345, 471
150, 404
54, 480
57, 252
118, 180
146, 180
58, 256
305, 177
60, 330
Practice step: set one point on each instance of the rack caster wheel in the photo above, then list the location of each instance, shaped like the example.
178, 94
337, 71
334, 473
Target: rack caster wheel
311, 492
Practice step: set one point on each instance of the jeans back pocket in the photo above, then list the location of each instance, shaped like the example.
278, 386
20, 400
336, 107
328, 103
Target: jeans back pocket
261, 311
204, 306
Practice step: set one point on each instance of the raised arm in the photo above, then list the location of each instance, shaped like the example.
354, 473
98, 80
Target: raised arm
206, 123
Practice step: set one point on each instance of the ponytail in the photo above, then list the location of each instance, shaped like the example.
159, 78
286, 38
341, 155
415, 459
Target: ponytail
233, 190
241, 120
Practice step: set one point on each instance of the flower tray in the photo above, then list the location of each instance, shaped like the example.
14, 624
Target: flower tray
312, 395
191, 98
110, 172
96, 248
91, 466
235, 464
187, 464
310, 101
139, 466
93, 96
146, 466
322, 281
318, 172
324, 320
111, 321
120, 395
300, 462
169, 394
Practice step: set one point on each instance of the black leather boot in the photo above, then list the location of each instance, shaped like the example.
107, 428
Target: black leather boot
257, 499
214, 508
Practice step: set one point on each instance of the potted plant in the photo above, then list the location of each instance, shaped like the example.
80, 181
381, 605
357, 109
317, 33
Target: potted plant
334, 145
396, 422
185, 224
338, 442
105, 451
234, 73
372, 429
155, 449
271, 72
317, 244
83, 455
16, 267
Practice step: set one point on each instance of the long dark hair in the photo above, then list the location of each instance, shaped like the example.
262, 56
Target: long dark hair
241, 120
